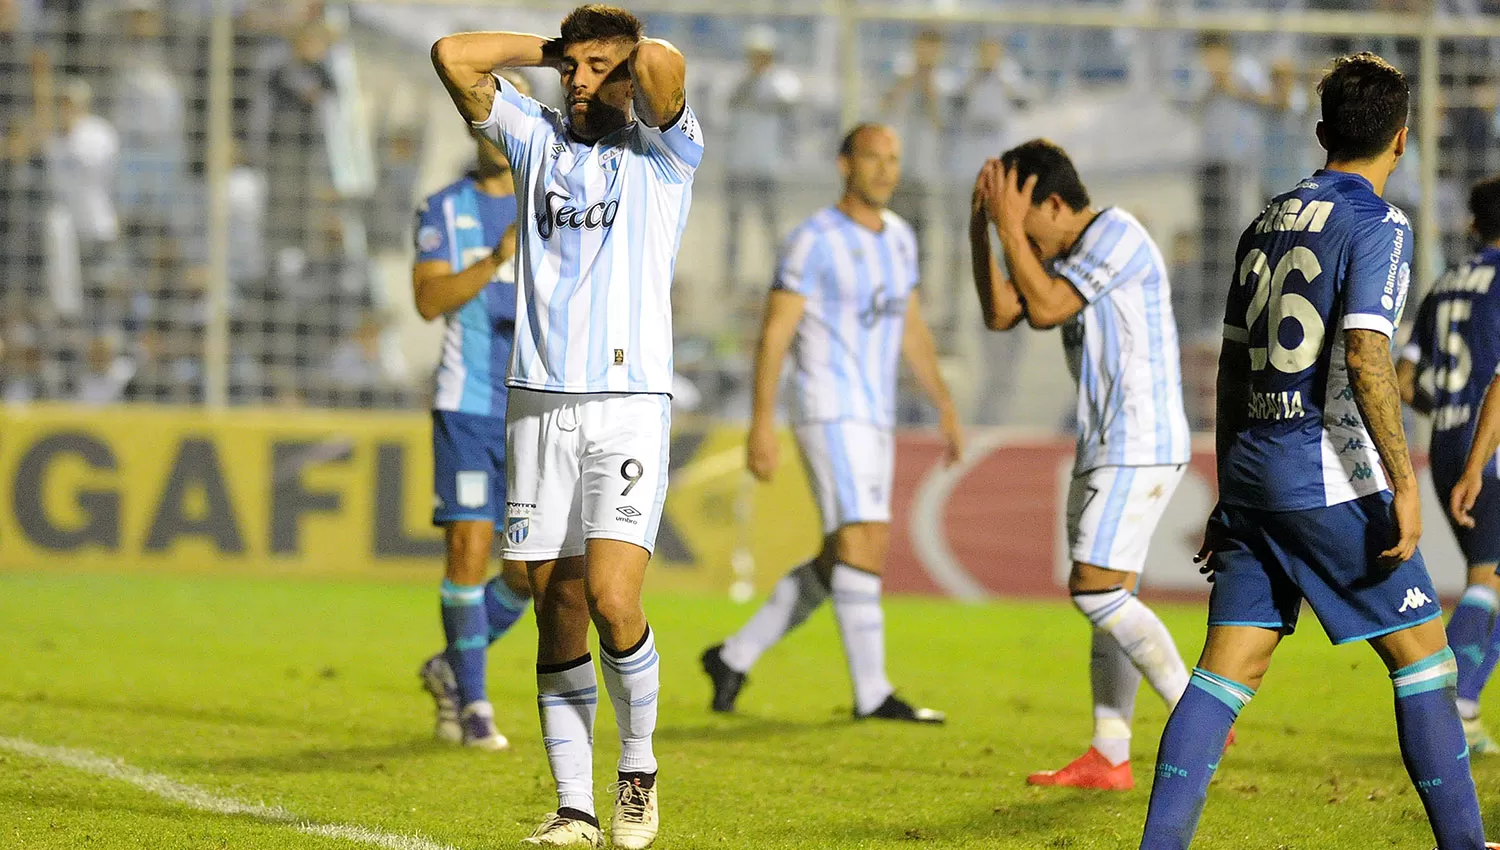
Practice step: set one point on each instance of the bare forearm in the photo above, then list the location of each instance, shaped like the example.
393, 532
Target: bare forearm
660, 75
1047, 299
922, 358
1487, 437
769, 355
1372, 377
439, 294
998, 300
465, 62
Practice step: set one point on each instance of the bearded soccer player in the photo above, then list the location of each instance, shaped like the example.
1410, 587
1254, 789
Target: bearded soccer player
603, 194
1098, 275
1317, 497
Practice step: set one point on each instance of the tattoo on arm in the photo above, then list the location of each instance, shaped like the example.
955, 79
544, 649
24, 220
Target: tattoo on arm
1372, 377
482, 93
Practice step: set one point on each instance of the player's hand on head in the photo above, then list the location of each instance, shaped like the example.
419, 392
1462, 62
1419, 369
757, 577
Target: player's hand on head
1461, 502
1406, 511
982, 184
762, 452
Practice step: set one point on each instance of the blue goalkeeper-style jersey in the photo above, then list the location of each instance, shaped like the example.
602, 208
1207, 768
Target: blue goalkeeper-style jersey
1457, 337
1328, 257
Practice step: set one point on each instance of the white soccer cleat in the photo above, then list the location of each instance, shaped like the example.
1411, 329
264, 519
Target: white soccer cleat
1478, 738
636, 819
478, 724
558, 831
437, 680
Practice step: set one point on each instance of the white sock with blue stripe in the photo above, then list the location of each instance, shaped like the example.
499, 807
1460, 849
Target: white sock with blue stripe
856, 605
568, 699
1142, 635
793, 600
633, 679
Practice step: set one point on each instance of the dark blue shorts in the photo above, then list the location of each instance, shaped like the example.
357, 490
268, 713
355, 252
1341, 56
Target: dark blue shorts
468, 467
1270, 561
1480, 544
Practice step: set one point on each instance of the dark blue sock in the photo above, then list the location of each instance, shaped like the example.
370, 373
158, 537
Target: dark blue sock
1487, 667
1469, 632
1433, 747
1191, 747
502, 607
467, 629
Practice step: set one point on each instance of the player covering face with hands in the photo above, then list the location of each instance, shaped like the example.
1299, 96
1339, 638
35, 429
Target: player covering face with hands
1098, 275
603, 190
845, 304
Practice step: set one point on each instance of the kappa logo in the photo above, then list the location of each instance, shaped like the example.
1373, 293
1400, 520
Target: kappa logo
1415, 598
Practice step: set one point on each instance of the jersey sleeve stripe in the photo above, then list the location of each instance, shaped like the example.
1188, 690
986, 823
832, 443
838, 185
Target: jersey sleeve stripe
1369, 322
1236, 334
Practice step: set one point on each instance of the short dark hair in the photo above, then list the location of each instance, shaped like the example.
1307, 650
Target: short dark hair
1365, 101
1055, 174
598, 22
1484, 205
846, 146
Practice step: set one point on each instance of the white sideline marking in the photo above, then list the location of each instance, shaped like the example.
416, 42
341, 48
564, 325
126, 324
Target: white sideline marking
198, 798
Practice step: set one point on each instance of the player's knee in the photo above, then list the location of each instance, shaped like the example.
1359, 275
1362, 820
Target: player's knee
614, 606
1087, 578
863, 545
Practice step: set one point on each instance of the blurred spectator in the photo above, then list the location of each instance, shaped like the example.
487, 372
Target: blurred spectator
287, 128
985, 108
759, 144
148, 113
248, 196
107, 371
1291, 145
366, 367
1229, 103
82, 168
18, 196
920, 105
25, 374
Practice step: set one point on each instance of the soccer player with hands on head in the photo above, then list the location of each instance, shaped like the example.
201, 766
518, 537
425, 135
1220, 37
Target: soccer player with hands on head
1310, 447
1455, 348
603, 192
1098, 275
845, 304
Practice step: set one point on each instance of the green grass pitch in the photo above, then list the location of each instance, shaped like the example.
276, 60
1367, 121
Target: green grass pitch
302, 694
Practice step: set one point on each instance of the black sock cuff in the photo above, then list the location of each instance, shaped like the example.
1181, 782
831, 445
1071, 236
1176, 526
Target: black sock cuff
564, 667
607, 650
640, 780
1097, 592
578, 814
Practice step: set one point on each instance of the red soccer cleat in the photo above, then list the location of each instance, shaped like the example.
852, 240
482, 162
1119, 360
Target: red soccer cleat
1090, 770
1229, 741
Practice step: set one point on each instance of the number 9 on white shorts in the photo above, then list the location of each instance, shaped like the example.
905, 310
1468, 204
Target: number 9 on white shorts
582, 466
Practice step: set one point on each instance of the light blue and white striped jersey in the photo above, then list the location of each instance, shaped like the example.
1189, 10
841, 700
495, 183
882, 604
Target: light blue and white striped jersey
848, 344
1122, 348
601, 225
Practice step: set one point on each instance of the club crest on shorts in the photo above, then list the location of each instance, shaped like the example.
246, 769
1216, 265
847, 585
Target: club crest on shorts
517, 522
516, 529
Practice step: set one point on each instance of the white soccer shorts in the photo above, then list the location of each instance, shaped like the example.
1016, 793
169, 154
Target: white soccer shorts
849, 465
1113, 511
583, 466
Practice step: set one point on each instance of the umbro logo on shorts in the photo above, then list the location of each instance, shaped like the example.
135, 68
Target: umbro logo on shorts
1415, 599
627, 514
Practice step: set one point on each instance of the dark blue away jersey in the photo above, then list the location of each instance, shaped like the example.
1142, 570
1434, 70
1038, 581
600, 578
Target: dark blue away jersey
1457, 337
1326, 257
